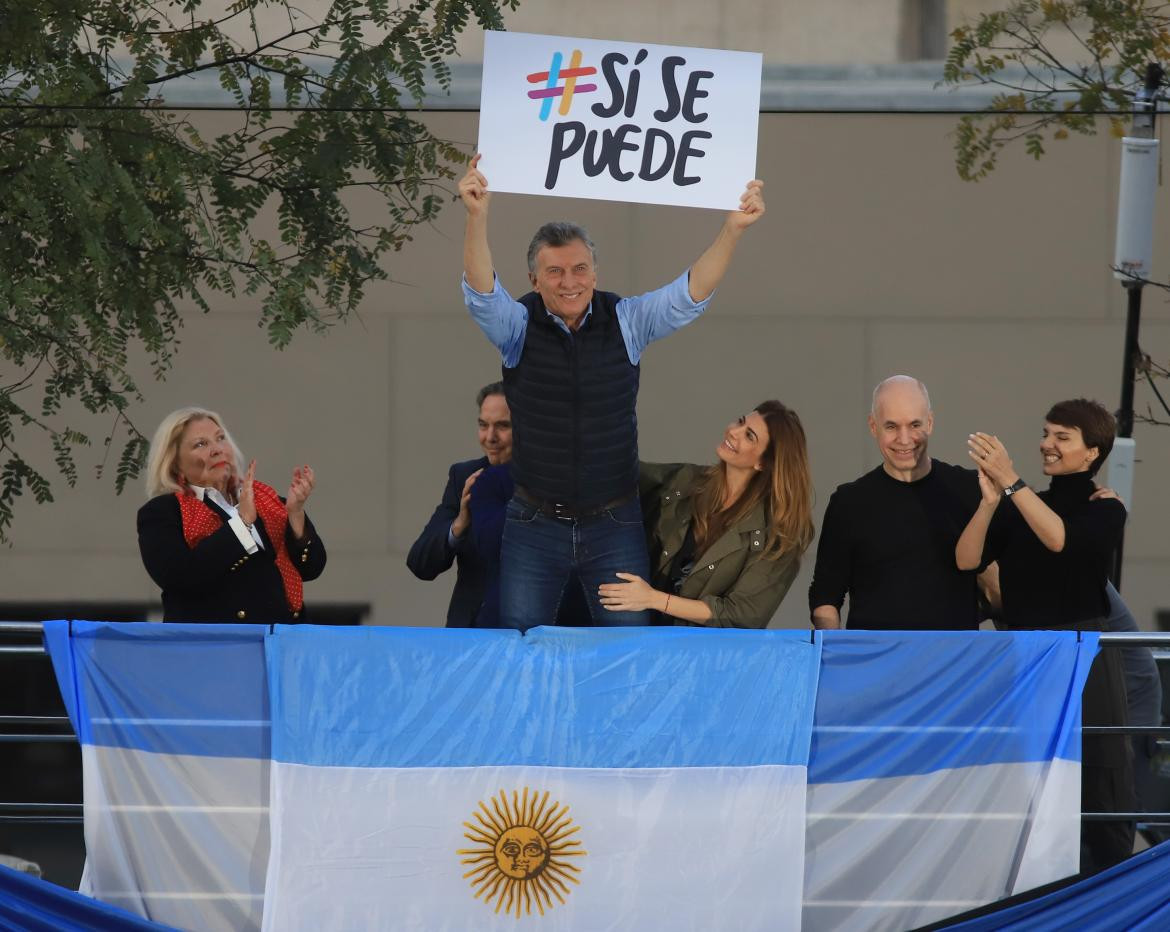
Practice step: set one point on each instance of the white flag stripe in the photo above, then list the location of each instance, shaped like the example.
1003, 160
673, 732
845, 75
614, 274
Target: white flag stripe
189, 833
934, 865
692, 848
173, 810
918, 816
180, 895
894, 904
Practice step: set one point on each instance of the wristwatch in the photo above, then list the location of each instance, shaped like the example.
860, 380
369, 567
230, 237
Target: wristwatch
1015, 487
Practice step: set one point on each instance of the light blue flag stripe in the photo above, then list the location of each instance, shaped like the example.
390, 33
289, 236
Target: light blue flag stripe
177, 689
898, 703
888, 704
558, 697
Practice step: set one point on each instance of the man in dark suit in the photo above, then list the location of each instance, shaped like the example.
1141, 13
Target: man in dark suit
445, 539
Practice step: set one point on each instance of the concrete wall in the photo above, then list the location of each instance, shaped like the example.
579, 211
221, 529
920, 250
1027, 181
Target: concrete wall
873, 259
789, 31
786, 32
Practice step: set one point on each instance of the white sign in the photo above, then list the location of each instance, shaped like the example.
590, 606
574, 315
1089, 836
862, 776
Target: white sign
619, 121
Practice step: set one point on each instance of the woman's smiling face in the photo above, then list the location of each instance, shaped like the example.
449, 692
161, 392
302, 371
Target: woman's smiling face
744, 442
1063, 450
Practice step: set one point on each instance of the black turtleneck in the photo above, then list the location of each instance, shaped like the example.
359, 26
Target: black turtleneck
1043, 589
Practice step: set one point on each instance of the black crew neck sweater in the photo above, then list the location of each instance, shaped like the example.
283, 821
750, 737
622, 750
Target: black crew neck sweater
890, 546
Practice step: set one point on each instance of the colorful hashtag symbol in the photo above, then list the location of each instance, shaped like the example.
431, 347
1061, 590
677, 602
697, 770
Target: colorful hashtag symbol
553, 77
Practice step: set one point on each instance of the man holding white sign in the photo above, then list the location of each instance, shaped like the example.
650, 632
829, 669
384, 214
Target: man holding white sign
571, 359
625, 121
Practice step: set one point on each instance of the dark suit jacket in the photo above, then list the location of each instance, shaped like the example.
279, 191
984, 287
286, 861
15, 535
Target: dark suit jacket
217, 580
430, 555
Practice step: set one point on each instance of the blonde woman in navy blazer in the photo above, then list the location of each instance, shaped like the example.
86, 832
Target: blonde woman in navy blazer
223, 546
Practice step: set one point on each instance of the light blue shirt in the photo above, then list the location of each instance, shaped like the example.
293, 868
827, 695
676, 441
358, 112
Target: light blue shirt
642, 319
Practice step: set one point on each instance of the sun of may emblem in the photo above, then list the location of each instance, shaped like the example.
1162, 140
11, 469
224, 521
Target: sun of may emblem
522, 854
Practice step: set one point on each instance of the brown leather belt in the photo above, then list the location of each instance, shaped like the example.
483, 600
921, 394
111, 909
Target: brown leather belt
567, 511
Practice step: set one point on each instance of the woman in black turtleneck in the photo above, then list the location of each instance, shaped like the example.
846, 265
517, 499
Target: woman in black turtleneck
1054, 550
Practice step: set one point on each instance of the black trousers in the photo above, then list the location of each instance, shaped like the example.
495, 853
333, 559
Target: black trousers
1106, 766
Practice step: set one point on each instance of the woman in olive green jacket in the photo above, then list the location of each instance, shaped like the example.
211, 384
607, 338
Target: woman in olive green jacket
725, 540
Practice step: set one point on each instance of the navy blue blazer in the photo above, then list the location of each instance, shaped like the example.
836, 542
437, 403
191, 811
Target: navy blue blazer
475, 601
431, 555
216, 580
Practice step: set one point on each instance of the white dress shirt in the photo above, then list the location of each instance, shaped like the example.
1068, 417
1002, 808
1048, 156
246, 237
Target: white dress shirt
247, 535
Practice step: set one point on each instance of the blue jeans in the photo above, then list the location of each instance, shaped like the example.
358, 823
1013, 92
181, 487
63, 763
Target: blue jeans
539, 555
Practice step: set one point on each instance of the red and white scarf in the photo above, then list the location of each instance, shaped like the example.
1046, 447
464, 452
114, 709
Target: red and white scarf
200, 520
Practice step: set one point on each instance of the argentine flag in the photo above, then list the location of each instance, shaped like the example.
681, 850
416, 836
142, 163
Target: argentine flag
944, 773
175, 751
395, 778
567, 779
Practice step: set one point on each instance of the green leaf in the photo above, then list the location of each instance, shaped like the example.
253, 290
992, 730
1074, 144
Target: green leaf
116, 211
1076, 60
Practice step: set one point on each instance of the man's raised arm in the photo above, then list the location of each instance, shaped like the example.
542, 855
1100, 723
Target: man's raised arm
477, 256
710, 267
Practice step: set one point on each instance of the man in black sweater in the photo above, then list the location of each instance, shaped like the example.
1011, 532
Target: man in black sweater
888, 539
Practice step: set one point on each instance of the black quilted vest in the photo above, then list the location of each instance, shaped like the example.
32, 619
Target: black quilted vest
573, 400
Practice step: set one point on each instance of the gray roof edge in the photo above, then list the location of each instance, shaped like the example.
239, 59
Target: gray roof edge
908, 86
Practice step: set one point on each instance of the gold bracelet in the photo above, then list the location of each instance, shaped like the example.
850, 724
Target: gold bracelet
666, 607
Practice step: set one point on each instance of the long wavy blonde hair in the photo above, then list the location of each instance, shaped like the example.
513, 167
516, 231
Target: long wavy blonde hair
783, 484
162, 474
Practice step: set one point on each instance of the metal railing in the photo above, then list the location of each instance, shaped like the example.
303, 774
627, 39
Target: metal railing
33, 729
60, 813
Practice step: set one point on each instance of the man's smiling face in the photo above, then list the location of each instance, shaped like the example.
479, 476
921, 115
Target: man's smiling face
565, 278
901, 423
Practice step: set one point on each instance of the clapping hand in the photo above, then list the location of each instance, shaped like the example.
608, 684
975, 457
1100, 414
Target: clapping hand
988, 489
463, 519
245, 500
299, 490
992, 458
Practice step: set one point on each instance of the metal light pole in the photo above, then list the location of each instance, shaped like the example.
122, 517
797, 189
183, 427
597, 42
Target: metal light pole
1132, 260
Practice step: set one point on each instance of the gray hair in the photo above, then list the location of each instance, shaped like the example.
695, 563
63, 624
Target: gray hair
558, 233
495, 388
161, 474
898, 380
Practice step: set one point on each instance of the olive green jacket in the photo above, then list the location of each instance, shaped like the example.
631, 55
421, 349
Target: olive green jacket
742, 589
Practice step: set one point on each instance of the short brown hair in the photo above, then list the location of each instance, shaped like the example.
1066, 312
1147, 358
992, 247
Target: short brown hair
556, 234
494, 388
1097, 426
